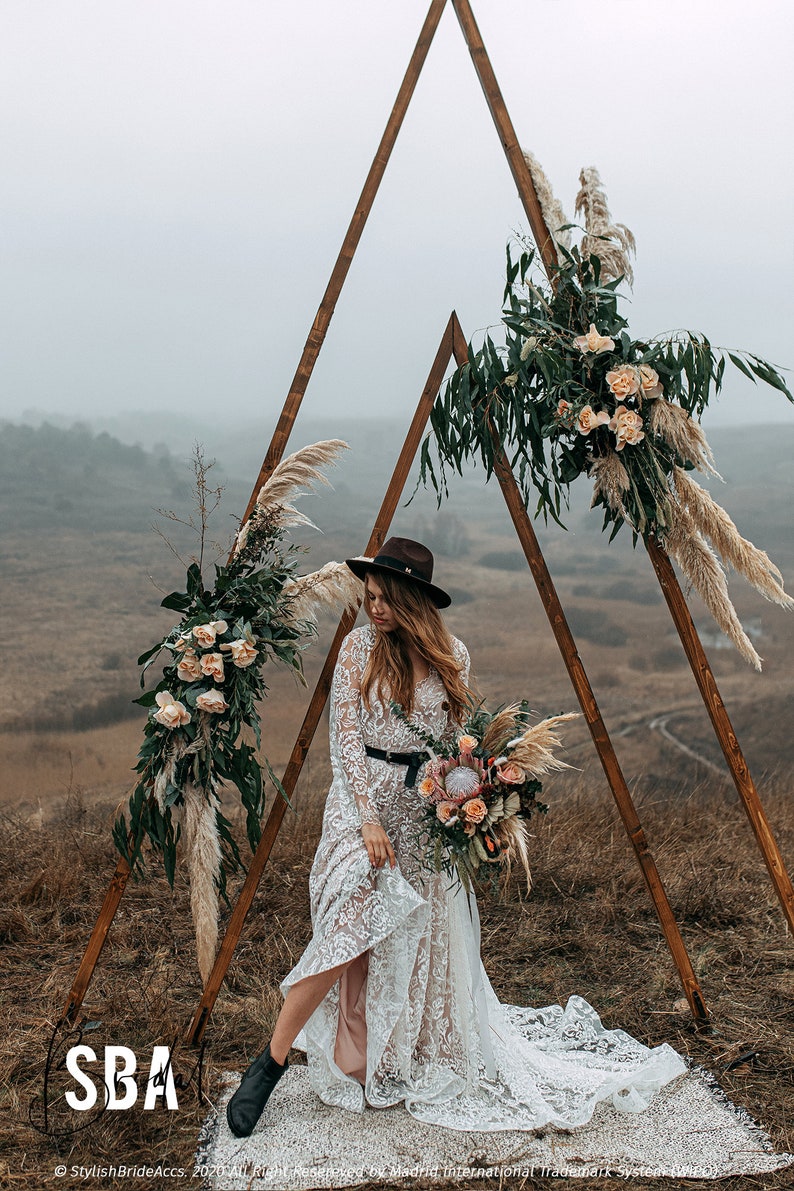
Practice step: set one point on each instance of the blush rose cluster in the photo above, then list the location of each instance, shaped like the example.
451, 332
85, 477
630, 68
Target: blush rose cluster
626, 386
201, 654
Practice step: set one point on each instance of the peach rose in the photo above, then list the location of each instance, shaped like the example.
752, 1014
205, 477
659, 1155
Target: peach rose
172, 713
181, 644
467, 743
212, 701
243, 653
564, 410
188, 667
593, 342
624, 381
475, 810
205, 634
649, 380
627, 427
588, 419
212, 666
427, 787
511, 774
447, 813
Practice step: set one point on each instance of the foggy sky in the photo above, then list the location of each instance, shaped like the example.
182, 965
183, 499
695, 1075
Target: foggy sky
178, 176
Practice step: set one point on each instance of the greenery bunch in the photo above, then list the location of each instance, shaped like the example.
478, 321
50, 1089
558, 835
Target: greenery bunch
570, 387
203, 727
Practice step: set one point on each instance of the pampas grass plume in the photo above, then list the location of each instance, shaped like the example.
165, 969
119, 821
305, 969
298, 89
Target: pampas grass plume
533, 751
333, 586
610, 242
698, 562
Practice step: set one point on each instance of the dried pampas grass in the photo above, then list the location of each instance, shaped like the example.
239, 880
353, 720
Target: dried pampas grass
533, 751
513, 839
553, 214
698, 562
333, 586
610, 242
680, 431
610, 480
197, 818
715, 524
299, 470
203, 859
503, 725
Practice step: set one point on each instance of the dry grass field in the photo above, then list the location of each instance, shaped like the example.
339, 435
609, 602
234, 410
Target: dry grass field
84, 606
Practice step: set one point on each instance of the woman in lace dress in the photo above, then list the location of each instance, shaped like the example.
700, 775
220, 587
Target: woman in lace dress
390, 999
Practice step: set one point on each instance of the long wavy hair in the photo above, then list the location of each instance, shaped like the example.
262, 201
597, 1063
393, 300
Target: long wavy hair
389, 671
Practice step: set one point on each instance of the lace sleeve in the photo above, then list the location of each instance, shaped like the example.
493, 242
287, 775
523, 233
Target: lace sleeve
461, 655
346, 711
462, 658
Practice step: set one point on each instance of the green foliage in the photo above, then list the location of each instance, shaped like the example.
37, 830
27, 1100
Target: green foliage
525, 396
218, 649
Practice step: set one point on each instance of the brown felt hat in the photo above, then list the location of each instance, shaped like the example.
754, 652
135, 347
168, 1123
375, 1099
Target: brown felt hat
404, 557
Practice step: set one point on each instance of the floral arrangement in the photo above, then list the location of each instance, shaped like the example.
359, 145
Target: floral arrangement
481, 787
203, 728
571, 392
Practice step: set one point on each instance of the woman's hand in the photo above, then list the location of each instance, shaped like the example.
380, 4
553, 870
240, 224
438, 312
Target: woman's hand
378, 845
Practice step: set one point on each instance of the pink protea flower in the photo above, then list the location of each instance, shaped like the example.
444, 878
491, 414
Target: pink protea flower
463, 781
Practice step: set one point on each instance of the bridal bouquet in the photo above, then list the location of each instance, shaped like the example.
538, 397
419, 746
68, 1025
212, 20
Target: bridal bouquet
482, 786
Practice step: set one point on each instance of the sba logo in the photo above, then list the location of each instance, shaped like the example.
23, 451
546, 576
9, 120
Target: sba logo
121, 1090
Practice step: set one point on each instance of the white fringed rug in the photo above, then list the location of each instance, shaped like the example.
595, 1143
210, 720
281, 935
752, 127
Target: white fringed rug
691, 1131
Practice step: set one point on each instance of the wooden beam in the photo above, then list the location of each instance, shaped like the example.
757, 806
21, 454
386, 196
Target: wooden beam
507, 134
320, 695
115, 892
587, 701
350, 243
723, 728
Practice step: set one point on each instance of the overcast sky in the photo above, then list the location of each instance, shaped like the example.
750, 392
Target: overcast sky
178, 175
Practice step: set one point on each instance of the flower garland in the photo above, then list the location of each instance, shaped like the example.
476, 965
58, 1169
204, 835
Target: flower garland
570, 392
482, 787
203, 728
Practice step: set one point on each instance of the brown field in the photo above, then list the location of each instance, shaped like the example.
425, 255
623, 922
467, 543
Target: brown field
85, 607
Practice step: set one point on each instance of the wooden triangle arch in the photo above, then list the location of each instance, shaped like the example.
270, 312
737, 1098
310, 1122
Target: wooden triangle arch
453, 346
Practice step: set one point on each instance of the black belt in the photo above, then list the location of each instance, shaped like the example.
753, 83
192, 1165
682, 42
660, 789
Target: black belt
414, 761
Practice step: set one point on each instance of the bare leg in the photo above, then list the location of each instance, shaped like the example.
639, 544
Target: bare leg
299, 1004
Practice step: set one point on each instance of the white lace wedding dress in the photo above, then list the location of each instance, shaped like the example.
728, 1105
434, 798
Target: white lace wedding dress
414, 1018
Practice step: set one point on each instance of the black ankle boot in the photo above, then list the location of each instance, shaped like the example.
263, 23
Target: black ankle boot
246, 1105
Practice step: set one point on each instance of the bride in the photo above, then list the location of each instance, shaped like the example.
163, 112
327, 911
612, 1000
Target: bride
390, 999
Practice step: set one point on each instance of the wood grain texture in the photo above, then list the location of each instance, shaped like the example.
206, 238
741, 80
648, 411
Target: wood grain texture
320, 695
723, 728
322, 319
507, 134
115, 892
587, 701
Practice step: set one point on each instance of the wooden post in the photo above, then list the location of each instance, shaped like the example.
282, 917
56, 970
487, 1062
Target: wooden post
592, 714
723, 728
320, 695
288, 414
664, 570
349, 245
115, 892
507, 134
